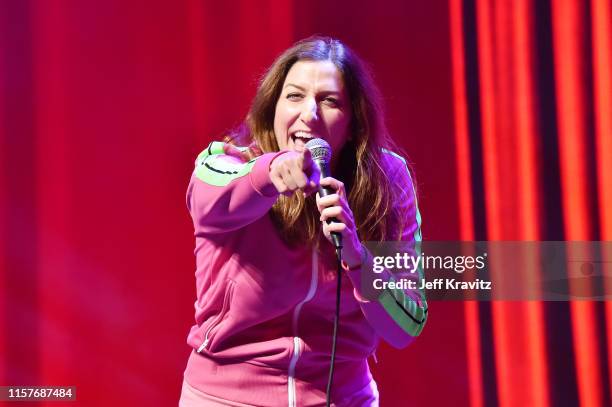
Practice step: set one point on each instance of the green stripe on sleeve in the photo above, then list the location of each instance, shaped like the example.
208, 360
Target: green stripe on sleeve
212, 169
404, 311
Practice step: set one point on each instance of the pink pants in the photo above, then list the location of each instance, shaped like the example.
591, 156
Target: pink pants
191, 397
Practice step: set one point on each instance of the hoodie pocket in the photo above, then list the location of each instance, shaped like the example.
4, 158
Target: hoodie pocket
212, 328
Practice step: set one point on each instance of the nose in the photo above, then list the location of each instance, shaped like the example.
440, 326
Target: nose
309, 111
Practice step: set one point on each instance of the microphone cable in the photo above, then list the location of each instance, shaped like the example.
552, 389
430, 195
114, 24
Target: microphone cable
336, 323
321, 155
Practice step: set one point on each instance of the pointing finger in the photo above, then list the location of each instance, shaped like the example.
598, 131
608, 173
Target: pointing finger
307, 162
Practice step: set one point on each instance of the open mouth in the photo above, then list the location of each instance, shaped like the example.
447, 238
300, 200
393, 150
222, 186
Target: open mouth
301, 137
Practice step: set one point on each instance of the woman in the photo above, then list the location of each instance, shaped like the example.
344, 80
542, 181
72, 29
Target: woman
266, 275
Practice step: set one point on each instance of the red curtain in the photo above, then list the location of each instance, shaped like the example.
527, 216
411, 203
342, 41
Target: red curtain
532, 113
503, 107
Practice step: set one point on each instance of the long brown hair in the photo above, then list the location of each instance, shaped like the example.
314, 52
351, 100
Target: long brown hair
362, 165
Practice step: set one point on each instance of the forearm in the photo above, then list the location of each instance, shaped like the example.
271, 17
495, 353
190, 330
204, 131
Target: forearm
226, 194
397, 315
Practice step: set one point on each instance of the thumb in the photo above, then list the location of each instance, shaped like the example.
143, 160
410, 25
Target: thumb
233, 151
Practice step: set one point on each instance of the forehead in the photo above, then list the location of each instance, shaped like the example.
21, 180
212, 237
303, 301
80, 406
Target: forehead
317, 75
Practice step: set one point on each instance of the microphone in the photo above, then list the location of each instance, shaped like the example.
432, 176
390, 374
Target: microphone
321, 155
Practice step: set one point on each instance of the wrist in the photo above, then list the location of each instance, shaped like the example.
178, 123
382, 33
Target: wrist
354, 259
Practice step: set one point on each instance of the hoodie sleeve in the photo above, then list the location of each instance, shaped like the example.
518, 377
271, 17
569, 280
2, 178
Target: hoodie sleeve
397, 315
225, 193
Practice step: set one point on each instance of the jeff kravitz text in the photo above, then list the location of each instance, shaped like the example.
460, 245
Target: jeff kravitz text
436, 284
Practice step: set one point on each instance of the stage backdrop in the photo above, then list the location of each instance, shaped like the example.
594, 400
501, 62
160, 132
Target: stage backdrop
503, 107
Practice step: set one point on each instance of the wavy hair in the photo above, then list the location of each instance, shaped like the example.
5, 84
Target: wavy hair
361, 165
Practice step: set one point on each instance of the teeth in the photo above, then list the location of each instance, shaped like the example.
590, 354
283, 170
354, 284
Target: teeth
302, 134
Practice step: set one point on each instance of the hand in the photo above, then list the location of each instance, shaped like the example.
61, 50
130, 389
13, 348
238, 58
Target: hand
291, 171
335, 206
235, 152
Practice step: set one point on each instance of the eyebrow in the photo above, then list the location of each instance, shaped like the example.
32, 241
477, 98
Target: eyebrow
325, 92
294, 85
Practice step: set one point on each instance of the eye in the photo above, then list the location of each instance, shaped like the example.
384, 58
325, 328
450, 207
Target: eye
331, 101
294, 96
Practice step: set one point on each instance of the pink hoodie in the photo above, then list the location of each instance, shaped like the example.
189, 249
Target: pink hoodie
264, 311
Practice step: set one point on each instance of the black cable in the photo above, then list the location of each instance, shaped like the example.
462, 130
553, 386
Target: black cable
336, 321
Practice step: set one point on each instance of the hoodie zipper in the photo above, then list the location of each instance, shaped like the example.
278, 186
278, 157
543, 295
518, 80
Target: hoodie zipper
217, 320
297, 341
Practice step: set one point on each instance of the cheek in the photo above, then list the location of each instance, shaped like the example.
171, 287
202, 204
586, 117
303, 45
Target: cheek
339, 130
282, 117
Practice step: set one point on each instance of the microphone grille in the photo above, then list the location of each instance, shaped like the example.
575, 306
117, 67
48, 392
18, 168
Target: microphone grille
320, 149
